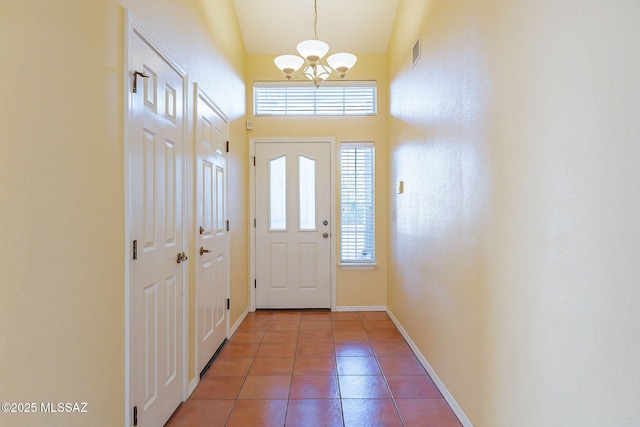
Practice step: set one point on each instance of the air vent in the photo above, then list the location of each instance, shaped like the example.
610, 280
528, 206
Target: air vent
416, 52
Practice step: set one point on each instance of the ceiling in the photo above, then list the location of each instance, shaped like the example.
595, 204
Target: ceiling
276, 26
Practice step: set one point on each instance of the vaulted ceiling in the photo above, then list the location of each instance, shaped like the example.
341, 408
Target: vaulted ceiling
276, 26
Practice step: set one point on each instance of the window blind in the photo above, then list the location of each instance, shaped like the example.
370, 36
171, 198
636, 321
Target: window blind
302, 98
357, 226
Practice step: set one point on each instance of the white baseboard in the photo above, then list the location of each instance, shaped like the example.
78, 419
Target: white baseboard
361, 308
436, 380
236, 325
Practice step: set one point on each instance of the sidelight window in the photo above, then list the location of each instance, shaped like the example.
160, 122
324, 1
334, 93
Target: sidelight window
357, 219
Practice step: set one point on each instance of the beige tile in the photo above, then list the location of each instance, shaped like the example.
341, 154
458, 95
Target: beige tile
426, 413
400, 365
370, 412
229, 367
373, 315
280, 336
254, 325
316, 324
314, 366
378, 324
277, 349
263, 413
346, 324
267, 366
324, 315
280, 360
212, 388
286, 316
213, 413
247, 336
284, 325
358, 366
384, 335
363, 387
351, 349
235, 349
313, 349
268, 388
350, 336
412, 387
314, 387
258, 315
345, 315
391, 348
314, 335
323, 412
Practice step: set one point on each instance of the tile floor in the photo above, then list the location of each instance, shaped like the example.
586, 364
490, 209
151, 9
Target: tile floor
315, 369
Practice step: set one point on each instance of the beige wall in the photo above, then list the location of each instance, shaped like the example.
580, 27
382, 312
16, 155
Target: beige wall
514, 257
62, 188
353, 287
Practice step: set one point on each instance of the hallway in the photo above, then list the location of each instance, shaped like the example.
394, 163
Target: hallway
315, 369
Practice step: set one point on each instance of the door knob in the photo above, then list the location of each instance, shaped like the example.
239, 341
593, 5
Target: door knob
201, 230
181, 257
204, 251
325, 235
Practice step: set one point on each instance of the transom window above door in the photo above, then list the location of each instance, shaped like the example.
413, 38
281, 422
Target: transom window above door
339, 98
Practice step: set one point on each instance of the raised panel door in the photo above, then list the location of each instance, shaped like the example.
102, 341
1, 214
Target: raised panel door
293, 201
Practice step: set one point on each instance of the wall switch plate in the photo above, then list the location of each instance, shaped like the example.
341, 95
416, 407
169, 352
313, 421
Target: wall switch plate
249, 125
400, 187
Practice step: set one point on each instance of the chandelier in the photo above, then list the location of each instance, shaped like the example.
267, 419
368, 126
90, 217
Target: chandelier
311, 54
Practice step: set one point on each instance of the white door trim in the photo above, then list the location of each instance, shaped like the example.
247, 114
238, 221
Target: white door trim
252, 210
130, 28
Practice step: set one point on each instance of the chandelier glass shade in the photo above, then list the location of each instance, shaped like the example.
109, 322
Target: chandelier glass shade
311, 53
312, 50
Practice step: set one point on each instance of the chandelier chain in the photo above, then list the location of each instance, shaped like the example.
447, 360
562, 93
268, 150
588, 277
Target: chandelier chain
315, 19
310, 59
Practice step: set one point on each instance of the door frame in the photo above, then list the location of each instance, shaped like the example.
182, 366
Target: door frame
131, 28
199, 93
252, 209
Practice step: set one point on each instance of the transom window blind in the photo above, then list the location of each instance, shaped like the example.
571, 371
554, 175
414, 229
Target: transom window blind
357, 226
334, 98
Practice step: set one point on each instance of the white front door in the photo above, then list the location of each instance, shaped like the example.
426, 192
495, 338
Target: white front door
156, 278
210, 253
293, 207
